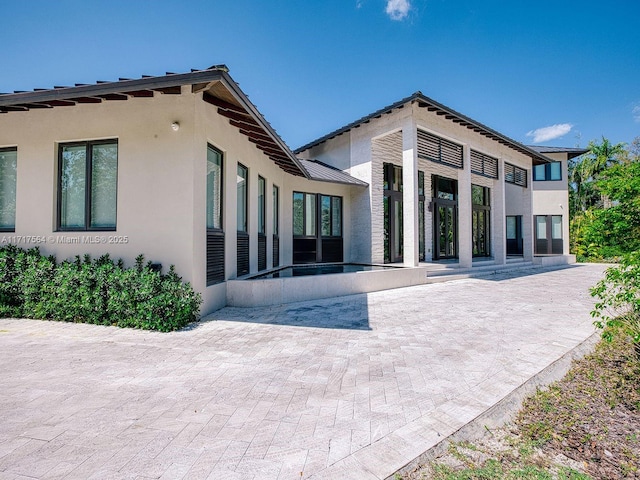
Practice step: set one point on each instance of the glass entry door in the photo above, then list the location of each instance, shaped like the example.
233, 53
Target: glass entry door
445, 209
393, 226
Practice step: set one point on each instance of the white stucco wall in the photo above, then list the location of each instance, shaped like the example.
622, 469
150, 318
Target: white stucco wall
155, 176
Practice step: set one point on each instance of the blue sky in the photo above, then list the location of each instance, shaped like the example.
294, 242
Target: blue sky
557, 72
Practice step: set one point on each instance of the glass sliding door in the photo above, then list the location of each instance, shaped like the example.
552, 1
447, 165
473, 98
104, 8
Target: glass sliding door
548, 229
317, 228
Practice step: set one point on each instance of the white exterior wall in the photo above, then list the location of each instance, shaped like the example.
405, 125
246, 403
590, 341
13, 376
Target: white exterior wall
155, 176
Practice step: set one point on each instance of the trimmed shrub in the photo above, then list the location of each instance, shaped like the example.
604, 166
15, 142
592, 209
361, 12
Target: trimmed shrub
98, 291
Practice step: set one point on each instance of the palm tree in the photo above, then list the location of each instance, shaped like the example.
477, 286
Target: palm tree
586, 169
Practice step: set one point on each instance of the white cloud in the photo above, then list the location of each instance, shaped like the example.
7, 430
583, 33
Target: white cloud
398, 9
636, 112
549, 133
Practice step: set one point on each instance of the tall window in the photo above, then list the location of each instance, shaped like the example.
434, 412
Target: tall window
262, 225
481, 220
215, 233
276, 210
547, 171
242, 257
8, 176
243, 192
331, 210
276, 226
214, 188
392, 206
262, 206
87, 185
304, 214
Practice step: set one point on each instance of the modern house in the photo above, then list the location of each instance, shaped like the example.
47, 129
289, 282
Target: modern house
184, 169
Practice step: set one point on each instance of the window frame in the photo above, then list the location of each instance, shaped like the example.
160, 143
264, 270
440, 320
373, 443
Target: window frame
276, 210
88, 144
546, 172
332, 231
262, 205
221, 193
245, 227
12, 228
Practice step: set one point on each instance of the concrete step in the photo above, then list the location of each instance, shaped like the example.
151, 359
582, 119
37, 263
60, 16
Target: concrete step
456, 273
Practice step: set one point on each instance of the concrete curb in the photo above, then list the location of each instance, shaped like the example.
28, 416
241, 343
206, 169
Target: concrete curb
505, 410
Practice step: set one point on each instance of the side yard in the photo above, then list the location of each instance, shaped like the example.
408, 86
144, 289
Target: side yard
585, 426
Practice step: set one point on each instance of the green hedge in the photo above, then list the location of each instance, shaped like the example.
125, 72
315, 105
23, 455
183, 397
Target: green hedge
98, 291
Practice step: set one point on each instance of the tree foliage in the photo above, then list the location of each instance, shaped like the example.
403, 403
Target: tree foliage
604, 194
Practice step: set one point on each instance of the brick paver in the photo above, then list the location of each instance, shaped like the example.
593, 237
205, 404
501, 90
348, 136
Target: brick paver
352, 387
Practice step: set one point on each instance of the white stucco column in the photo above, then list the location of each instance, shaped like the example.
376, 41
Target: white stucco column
410, 192
498, 218
465, 245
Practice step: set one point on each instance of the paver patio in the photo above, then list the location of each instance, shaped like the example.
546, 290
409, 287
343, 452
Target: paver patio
352, 387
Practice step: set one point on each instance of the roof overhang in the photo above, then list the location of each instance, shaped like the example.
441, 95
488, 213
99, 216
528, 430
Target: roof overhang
439, 109
569, 151
215, 83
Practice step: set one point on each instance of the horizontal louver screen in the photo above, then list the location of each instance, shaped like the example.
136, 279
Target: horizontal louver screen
262, 252
276, 251
515, 175
243, 254
436, 149
215, 257
484, 164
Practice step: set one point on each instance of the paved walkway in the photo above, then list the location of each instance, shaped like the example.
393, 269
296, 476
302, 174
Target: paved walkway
353, 387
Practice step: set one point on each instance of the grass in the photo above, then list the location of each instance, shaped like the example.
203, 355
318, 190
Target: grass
586, 426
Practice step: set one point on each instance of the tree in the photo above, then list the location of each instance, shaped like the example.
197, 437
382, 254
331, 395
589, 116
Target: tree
587, 169
605, 216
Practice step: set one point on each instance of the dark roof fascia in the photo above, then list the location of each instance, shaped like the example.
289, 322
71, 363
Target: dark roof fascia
121, 86
572, 152
440, 109
349, 180
244, 100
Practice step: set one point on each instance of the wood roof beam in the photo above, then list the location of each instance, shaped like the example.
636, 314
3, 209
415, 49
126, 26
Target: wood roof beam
237, 116
218, 102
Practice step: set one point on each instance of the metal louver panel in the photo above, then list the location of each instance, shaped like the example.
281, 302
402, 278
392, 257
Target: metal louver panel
484, 165
243, 254
215, 257
436, 149
515, 175
262, 252
276, 251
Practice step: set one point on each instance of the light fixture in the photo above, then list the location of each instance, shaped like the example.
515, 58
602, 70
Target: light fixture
175, 126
